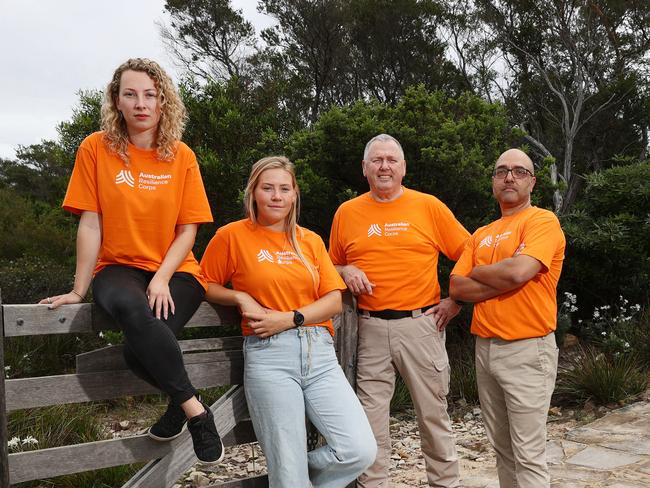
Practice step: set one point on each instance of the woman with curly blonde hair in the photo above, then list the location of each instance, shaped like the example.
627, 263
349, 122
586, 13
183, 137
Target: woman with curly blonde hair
140, 197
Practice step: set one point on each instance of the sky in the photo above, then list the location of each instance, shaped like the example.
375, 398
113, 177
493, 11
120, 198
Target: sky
49, 50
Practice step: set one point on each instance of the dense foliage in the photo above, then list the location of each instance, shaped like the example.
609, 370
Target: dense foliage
608, 234
318, 84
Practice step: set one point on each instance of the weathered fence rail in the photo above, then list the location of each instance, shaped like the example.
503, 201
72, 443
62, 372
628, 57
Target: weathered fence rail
102, 374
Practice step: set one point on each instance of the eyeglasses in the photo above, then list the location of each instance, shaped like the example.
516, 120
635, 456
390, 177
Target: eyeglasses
517, 172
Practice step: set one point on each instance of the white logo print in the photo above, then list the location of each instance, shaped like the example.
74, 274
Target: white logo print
520, 249
485, 242
374, 230
264, 255
125, 176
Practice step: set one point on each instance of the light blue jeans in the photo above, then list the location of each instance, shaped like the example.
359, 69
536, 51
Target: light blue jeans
293, 374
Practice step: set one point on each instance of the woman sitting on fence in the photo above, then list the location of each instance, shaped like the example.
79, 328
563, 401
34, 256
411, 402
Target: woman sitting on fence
140, 197
287, 290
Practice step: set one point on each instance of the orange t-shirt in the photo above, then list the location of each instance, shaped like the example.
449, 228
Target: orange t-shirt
531, 310
262, 263
396, 244
140, 204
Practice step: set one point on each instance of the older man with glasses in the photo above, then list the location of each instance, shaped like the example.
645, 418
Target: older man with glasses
510, 270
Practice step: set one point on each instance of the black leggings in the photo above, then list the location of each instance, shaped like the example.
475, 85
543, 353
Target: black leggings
151, 349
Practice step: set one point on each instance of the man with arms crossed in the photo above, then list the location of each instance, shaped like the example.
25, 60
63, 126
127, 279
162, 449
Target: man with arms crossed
510, 269
385, 245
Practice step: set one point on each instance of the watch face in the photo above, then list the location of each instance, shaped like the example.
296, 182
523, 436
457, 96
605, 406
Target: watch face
298, 318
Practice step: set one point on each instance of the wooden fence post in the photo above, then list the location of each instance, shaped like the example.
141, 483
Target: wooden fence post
346, 338
346, 342
4, 434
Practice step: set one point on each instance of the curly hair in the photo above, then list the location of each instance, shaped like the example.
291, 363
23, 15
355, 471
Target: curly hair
173, 115
290, 224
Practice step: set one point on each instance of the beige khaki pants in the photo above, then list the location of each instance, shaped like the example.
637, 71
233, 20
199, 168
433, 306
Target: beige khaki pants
415, 348
515, 383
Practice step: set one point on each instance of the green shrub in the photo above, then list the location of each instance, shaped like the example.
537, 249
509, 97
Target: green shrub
593, 375
29, 279
608, 237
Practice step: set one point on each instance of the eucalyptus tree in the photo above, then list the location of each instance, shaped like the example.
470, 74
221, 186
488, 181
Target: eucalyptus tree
578, 78
209, 38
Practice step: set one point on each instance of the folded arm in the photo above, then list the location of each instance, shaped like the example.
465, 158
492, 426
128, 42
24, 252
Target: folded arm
507, 274
491, 280
266, 322
465, 289
273, 322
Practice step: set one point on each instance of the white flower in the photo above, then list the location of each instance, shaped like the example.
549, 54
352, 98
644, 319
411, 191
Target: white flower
573, 308
604, 333
596, 314
7, 368
571, 298
29, 440
627, 345
14, 442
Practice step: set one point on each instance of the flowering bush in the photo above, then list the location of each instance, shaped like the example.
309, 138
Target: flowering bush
611, 328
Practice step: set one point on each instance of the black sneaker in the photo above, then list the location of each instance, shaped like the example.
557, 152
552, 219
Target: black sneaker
170, 425
207, 443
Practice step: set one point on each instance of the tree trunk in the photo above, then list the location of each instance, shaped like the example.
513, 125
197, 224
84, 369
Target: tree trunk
575, 184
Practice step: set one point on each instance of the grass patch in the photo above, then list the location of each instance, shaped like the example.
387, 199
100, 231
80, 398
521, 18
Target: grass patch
62, 425
463, 377
59, 425
600, 378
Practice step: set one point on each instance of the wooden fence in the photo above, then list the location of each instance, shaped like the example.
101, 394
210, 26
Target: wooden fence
102, 374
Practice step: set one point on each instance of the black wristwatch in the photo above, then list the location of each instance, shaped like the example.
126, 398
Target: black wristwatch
298, 319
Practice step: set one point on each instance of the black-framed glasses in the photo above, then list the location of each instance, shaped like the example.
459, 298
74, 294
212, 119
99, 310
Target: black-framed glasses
518, 172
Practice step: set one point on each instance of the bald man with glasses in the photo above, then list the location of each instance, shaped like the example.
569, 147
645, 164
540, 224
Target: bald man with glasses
510, 270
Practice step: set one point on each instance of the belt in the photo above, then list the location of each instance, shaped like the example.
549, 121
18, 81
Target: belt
389, 314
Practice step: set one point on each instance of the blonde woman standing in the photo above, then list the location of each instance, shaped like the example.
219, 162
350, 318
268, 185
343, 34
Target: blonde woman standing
287, 290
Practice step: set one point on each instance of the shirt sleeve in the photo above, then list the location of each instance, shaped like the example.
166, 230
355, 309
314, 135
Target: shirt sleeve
217, 264
541, 237
82, 193
465, 263
195, 208
336, 252
451, 236
329, 278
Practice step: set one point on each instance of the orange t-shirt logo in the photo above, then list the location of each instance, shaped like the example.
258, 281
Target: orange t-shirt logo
374, 230
264, 255
125, 176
